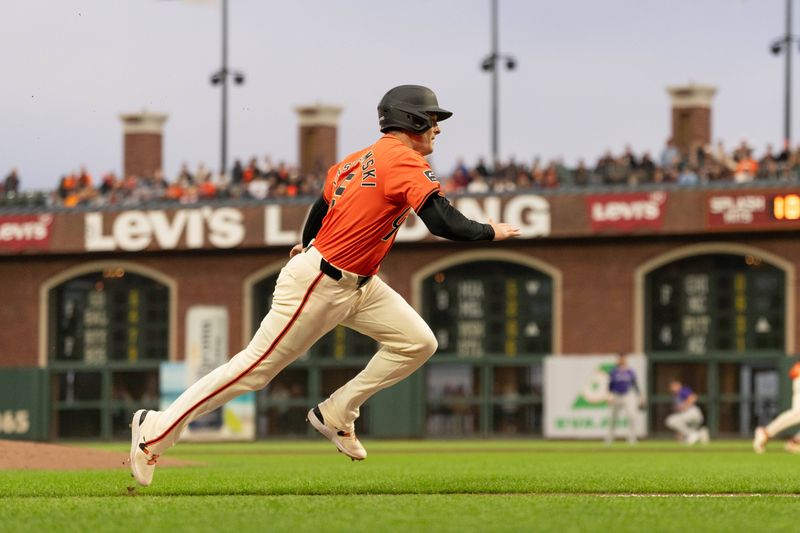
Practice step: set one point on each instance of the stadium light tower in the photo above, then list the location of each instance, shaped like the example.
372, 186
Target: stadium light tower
220, 77
491, 64
784, 44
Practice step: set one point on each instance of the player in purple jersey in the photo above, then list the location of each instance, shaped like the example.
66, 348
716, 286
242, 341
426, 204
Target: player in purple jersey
625, 395
687, 420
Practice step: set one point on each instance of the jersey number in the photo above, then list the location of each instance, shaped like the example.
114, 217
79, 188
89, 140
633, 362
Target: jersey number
396, 223
341, 188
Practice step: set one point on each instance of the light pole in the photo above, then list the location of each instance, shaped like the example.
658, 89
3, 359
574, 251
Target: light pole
220, 77
784, 44
490, 64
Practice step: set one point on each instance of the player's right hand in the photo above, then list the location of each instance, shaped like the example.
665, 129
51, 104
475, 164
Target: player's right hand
503, 231
296, 249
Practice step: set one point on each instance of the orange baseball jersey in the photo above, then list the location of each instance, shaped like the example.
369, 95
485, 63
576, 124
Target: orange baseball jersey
370, 194
794, 372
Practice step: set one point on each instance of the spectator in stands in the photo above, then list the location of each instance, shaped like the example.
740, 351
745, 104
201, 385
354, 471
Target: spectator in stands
206, 189
550, 176
84, 179
108, 183
237, 174
258, 188
688, 175
477, 184
251, 171
268, 167
202, 175
459, 179
11, 184
174, 191
184, 176
481, 168
629, 167
581, 174
722, 157
768, 164
670, 156
603, 167
282, 173
746, 166
647, 168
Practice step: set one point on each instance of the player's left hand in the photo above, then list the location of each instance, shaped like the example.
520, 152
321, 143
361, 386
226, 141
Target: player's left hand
296, 249
503, 231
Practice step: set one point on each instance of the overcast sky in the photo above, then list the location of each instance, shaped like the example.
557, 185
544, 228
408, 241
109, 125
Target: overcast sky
591, 75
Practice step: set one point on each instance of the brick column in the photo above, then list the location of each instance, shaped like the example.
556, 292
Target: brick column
691, 115
142, 143
317, 137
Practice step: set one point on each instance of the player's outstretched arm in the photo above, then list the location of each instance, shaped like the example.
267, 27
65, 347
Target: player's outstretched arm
444, 220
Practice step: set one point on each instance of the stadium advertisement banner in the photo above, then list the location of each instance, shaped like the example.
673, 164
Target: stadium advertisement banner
576, 397
237, 416
206, 349
276, 224
747, 209
25, 232
626, 212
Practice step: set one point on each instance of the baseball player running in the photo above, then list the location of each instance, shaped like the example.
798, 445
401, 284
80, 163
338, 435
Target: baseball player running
784, 420
330, 279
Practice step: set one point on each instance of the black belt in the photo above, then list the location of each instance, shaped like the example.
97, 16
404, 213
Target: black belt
336, 274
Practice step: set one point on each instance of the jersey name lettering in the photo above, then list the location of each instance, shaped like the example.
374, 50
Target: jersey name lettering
368, 171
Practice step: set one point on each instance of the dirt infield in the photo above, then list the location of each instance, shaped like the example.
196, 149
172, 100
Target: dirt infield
39, 456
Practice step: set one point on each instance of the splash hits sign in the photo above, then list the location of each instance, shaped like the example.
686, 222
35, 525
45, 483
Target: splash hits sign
626, 212
576, 397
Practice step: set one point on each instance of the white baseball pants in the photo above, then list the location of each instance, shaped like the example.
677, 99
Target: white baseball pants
788, 418
306, 305
687, 422
627, 404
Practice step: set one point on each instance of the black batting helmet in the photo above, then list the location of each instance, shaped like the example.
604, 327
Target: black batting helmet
409, 107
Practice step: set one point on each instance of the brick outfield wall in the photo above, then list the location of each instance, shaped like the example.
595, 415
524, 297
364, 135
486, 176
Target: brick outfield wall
597, 275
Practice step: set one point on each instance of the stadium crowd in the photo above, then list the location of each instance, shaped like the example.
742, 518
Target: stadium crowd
263, 179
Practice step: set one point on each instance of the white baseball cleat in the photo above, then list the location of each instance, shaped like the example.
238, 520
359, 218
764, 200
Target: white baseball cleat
143, 463
792, 446
345, 441
760, 440
705, 438
693, 438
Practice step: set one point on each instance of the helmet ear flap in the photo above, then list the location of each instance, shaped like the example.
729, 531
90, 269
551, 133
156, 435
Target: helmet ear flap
402, 118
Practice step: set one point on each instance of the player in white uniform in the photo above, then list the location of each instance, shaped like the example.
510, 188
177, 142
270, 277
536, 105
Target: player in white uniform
687, 420
623, 395
783, 421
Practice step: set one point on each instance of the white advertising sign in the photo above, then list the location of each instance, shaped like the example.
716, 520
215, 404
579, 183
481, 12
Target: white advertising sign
135, 230
529, 212
576, 397
206, 349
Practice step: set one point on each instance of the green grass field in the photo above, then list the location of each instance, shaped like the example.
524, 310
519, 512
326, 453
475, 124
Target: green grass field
422, 486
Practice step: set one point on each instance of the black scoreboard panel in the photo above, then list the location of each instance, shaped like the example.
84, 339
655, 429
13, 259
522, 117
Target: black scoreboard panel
110, 316
490, 307
715, 302
339, 343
